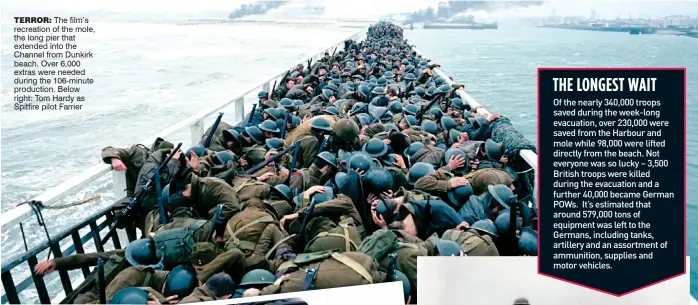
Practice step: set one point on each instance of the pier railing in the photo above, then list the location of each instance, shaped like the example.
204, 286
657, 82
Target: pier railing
98, 223
527, 155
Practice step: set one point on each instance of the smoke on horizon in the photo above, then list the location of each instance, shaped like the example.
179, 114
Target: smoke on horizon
257, 8
462, 7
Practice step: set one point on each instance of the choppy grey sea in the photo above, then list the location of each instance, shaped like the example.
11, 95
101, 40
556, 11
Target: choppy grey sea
150, 75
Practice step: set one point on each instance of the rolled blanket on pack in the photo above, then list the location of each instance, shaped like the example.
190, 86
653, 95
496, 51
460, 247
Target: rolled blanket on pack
504, 132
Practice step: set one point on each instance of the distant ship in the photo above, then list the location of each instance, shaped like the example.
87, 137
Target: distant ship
444, 18
462, 22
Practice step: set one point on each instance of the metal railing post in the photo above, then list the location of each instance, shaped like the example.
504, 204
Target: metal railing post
239, 113
119, 184
197, 132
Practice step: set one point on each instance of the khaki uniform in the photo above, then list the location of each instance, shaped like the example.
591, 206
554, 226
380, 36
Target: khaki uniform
277, 178
137, 277
309, 146
429, 154
473, 242
324, 234
208, 168
200, 294
406, 260
254, 231
305, 178
88, 291
207, 193
179, 218
333, 271
133, 157
482, 178
338, 209
254, 154
247, 188
281, 207
231, 262
436, 182
417, 135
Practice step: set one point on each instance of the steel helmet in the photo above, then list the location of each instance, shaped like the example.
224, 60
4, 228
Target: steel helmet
503, 221
327, 93
223, 157
257, 277
268, 126
141, 252
273, 112
458, 196
363, 90
286, 103
180, 281
321, 124
130, 295
375, 148
457, 103
448, 247
528, 242
395, 107
231, 135
377, 181
486, 227
318, 197
364, 119
413, 149
340, 179
445, 88
331, 110
274, 143
386, 208
493, 150
521, 301
419, 170
263, 94
360, 162
390, 126
448, 123
283, 191
255, 134
436, 112
452, 152
378, 91
502, 194
328, 157
197, 149
430, 127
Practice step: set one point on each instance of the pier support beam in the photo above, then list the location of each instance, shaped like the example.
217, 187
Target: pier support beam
239, 109
197, 132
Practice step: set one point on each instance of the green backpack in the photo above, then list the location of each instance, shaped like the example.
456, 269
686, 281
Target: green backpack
379, 244
174, 246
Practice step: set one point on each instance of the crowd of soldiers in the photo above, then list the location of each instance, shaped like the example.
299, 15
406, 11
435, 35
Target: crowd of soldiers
343, 175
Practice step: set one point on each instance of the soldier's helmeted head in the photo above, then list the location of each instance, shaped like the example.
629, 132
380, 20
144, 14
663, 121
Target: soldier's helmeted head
521, 301
221, 285
180, 281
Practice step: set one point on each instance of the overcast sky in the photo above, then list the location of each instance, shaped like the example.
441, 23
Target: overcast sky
356, 8
500, 280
